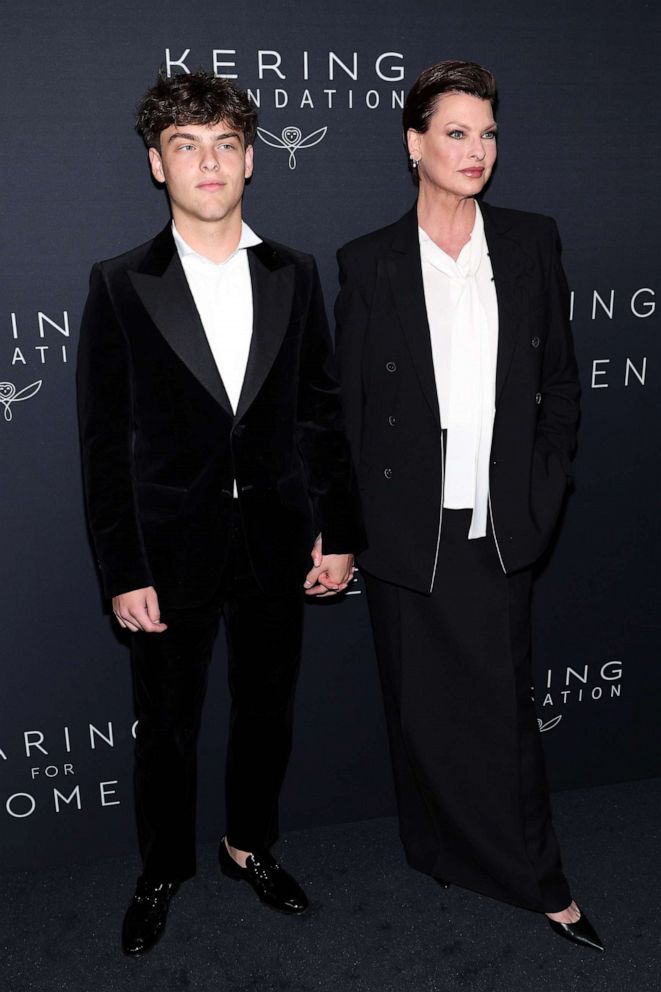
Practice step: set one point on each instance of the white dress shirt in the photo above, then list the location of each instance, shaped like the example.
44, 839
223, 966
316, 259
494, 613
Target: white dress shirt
462, 312
223, 296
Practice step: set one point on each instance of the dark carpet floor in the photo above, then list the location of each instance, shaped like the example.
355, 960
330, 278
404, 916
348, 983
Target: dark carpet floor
374, 925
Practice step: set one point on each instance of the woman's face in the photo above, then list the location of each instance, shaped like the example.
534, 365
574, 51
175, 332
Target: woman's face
458, 151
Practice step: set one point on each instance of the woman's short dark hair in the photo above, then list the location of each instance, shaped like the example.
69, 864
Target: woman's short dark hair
194, 98
450, 76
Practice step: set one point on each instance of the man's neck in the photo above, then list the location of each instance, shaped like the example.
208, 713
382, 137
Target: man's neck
215, 240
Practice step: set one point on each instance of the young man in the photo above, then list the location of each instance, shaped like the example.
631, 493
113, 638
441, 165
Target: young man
215, 464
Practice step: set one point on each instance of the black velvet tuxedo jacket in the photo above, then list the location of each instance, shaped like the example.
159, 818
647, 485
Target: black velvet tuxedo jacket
161, 445
391, 404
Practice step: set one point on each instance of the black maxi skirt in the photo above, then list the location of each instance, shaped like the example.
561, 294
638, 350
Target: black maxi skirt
467, 757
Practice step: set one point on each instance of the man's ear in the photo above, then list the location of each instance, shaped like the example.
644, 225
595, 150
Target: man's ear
156, 165
249, 162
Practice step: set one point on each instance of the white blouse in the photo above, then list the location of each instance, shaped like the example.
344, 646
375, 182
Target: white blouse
462, 311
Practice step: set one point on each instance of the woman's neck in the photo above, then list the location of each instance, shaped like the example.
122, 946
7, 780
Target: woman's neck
448, 220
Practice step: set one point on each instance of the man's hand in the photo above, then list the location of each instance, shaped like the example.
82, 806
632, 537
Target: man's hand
138, 610
329, 575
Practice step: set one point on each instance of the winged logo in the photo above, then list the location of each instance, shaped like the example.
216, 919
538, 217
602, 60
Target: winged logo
9, 395
292, 140
550, 724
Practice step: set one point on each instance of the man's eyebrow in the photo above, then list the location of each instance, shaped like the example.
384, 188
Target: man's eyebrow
195, 137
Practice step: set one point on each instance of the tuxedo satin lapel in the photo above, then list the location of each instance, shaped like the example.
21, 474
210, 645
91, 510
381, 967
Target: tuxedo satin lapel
510, 264
405, 275
169, 302
272, 295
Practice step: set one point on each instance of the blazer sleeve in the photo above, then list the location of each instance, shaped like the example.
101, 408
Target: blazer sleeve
559, 413
321, 437
351, 317
106, 432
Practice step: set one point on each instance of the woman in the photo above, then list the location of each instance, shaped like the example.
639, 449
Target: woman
461, 398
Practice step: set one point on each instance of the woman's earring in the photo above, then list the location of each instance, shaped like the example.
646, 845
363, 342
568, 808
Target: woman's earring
414, 162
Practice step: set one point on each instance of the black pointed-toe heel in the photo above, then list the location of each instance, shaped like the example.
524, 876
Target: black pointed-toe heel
582, 932
443, 882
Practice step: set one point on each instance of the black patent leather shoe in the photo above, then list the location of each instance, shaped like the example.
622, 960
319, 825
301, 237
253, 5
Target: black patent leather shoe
146, 916
582, 932
273, 885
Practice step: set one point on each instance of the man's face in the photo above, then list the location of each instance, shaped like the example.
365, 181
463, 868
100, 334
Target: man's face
204, 167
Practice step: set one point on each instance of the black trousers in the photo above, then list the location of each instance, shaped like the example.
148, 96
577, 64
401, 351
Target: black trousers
468, 763
263, 633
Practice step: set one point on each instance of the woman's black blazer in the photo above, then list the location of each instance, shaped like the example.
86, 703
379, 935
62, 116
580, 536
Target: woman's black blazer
391, 406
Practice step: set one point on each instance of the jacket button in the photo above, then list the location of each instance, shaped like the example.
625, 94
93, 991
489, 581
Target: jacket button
392, 421
388, 473
538, 398
535, 342
391, 367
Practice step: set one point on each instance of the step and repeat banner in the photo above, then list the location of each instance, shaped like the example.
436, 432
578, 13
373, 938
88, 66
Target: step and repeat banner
579, 140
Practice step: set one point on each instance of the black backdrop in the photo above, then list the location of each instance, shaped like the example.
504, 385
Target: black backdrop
579, 140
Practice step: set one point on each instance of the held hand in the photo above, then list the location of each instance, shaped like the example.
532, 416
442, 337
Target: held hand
331, 573
138, 610
316, 554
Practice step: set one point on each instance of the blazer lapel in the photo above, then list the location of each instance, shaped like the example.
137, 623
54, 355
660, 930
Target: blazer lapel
164, 292
272, 294
509, 264
405, 274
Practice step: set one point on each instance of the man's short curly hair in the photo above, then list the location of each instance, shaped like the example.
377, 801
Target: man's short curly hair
194, 98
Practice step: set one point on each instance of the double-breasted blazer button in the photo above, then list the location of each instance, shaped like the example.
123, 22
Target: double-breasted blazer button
392, 421
538, 398
388, 473
391, 367
535, 342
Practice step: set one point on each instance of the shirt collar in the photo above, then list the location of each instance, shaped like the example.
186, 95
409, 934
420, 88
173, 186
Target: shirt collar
248, 239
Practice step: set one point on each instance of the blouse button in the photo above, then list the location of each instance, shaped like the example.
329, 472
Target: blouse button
535, 342
388, 473
538, 398
391, 367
